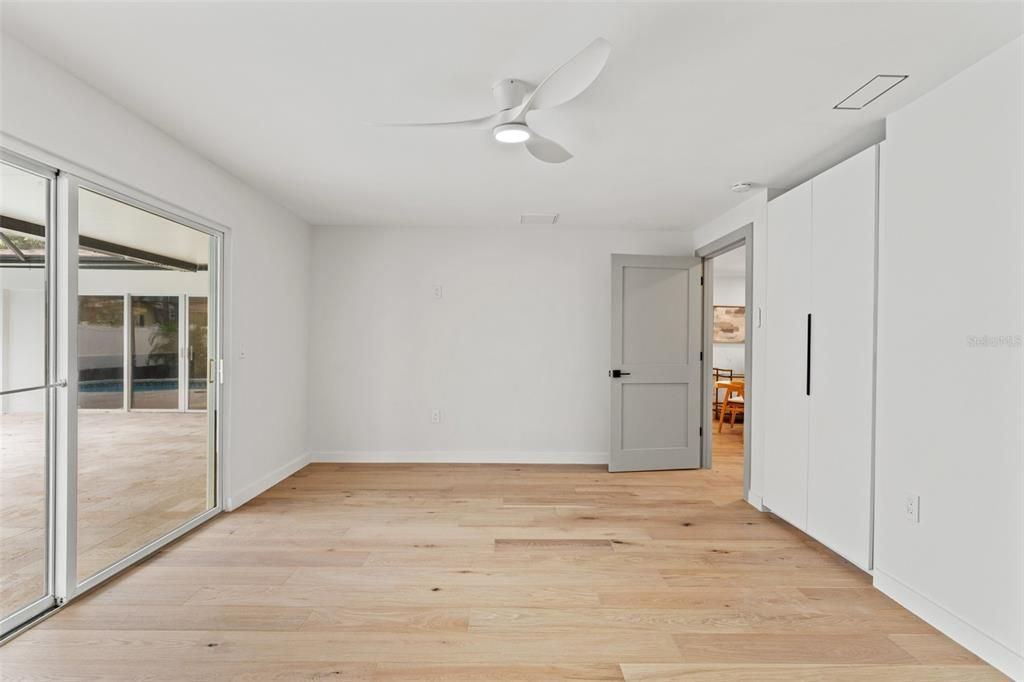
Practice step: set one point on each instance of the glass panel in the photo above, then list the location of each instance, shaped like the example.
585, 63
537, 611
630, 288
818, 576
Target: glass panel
101, 352
198, 354
23, 415
23, 519
143, 472
155, 352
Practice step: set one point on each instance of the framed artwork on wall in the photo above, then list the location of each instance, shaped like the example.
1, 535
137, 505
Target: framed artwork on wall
730, 324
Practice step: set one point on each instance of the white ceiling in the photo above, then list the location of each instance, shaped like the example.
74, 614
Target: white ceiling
695, 97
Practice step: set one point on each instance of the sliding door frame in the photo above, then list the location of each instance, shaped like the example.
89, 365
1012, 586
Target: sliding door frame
71, 185
21, 618
66, 178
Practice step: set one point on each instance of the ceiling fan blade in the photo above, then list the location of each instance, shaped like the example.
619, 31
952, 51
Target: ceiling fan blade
482, 122
547, 150
571, 78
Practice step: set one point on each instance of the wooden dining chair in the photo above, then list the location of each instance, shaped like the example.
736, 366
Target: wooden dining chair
720, 377
732, 404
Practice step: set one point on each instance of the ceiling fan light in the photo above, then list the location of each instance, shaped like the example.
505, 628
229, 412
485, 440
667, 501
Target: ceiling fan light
511, 133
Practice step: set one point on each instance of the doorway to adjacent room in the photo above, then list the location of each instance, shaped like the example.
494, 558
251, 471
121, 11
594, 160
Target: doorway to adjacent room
728, 294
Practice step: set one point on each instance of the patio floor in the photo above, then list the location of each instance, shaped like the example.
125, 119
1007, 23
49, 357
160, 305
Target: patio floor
140, 475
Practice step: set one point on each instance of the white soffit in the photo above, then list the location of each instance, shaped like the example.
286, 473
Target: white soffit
112, 221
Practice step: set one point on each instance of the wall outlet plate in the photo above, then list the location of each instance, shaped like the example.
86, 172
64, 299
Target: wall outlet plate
435, 416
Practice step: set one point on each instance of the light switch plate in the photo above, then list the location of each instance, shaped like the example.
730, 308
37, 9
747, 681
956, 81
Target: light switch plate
912, 508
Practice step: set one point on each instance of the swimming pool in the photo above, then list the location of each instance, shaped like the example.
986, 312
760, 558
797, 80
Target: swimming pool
138, 386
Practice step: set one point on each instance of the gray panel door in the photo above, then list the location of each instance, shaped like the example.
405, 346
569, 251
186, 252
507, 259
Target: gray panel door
655, 363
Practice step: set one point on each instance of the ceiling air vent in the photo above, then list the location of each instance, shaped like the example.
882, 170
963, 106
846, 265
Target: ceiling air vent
870, 91
538, 219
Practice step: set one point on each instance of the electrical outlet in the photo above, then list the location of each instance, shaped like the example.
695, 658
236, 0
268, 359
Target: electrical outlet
912, 508
438, 291
435, 416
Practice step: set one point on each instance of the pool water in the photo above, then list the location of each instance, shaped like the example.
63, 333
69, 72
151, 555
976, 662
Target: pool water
139, 386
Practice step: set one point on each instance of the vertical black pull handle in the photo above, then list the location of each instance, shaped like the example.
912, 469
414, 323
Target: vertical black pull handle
808, 386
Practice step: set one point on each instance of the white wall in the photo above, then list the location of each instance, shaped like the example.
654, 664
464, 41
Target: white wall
949, 407
751, 211
47, 113
515, 354
729, 290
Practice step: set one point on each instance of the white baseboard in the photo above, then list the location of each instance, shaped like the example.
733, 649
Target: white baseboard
236, 500
461, 457
951, 625
755, 500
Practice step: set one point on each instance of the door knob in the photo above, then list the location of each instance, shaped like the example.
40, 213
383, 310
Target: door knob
616, 373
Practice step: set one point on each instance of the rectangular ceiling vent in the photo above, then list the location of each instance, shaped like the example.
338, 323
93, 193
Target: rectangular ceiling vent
870, 91
538, 219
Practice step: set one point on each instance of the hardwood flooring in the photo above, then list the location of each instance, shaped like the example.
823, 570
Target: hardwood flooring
482, 573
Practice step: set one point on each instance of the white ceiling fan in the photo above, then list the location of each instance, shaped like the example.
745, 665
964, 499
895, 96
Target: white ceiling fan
515, 100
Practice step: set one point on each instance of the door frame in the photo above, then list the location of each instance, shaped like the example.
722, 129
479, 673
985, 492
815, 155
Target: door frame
68, 586
62, 361
743, 236
28, 614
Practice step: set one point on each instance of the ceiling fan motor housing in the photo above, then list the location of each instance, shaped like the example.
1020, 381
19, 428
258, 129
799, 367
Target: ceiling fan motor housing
509, 92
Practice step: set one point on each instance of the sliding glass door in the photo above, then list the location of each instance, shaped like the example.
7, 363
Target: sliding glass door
26, 388
155, 352
146, 349
198, 371
109, 340
148, 469
101, 349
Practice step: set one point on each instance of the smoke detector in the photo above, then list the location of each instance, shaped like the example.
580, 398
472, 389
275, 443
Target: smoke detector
741, 187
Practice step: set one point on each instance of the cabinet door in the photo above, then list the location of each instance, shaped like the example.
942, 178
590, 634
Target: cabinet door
786, 410
842, 352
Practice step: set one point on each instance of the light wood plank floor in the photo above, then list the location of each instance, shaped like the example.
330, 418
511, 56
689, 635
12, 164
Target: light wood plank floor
481, 573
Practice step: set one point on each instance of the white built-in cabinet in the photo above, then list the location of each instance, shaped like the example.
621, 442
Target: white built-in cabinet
819, 372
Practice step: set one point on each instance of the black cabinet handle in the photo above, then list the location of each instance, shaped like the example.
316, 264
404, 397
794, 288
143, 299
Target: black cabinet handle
808, 386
